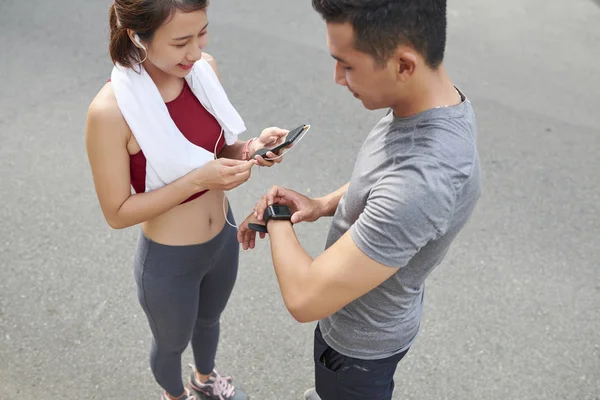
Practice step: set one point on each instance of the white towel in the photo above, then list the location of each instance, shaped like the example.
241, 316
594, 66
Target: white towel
169, 154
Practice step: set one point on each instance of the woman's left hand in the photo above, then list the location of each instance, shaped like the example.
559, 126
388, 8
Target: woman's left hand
269, 137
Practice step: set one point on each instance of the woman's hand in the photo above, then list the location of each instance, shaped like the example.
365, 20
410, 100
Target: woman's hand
222, 174
269, 138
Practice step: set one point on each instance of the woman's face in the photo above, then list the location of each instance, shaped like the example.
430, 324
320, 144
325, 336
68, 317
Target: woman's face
178, 44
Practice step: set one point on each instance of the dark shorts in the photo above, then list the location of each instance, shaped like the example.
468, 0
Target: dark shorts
338, 377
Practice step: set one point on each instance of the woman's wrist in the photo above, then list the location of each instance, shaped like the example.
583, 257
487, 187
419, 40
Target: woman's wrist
194, 181
249, 148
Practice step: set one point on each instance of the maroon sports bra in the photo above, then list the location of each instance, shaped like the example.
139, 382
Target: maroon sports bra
196, 124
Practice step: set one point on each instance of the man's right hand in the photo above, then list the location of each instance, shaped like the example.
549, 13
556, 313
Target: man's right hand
304, 209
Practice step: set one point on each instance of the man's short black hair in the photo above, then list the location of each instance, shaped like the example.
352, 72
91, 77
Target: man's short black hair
380, 26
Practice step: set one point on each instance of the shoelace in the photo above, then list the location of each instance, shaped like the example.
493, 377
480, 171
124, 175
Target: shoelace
193, 367
222, 387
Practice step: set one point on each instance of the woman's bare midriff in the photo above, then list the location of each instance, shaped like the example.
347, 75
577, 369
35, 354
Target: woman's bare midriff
194, 222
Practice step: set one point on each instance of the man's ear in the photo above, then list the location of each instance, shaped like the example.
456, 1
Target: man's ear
406, 62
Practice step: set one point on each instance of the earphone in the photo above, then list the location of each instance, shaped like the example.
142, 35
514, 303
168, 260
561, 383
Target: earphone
138, 41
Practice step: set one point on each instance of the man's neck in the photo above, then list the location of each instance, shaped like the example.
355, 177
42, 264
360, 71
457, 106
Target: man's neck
432, 89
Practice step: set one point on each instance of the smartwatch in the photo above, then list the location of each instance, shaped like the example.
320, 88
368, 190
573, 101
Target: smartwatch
275, 211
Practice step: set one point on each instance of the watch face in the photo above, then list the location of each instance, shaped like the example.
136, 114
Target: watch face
281, 211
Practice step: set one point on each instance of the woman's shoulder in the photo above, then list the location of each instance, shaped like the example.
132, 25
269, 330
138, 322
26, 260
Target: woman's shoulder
105, 103
212, 62
104, 112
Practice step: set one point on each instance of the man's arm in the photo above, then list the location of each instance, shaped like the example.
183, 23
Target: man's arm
402, 214
330, 202
303, 207
314, 289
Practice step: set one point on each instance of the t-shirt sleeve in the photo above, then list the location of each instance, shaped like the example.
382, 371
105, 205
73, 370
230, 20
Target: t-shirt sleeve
408, 207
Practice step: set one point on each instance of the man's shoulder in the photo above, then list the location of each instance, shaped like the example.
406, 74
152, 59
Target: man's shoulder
445, 145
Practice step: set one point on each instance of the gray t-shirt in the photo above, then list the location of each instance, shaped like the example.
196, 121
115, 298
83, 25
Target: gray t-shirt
414, 186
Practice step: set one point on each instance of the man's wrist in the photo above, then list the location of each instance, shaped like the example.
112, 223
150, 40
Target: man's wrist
278, 225
325, 206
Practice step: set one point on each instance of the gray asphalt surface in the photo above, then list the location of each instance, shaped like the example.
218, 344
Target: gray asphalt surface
513, 313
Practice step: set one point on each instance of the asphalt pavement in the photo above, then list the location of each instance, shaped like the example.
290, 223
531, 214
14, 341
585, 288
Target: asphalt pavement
513, 312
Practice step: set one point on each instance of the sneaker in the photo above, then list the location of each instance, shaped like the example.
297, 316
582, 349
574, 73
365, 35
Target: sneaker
311, 394
186, 396
193, 376
217, 387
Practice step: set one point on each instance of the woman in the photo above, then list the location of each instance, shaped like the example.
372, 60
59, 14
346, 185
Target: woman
187, 255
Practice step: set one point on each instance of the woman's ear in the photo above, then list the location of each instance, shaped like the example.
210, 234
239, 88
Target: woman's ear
135, 39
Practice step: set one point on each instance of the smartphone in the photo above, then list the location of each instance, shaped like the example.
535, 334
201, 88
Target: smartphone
291, 137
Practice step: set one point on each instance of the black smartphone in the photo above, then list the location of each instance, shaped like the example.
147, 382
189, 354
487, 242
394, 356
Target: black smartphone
291, 137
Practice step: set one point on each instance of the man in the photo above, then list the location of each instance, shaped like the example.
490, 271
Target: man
415, 184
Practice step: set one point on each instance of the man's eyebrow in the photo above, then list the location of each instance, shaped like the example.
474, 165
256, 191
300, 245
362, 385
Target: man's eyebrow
339, 59
189, 36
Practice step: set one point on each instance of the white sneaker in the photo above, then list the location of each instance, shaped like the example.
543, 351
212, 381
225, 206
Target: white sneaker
311, 394
186, 396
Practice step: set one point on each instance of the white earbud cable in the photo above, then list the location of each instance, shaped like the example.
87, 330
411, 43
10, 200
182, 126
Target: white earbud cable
284, 151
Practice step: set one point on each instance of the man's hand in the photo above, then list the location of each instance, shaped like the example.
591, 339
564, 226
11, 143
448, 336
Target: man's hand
246, 236
304, 209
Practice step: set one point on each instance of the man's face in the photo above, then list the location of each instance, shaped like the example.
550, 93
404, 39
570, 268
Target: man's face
372, 84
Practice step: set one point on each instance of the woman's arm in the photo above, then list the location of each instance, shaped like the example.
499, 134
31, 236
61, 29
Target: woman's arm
235, 151
107, 134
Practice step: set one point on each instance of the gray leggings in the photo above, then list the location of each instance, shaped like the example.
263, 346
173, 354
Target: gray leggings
183, 290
